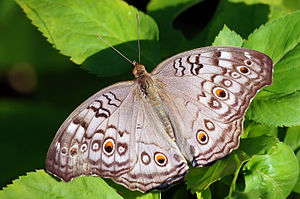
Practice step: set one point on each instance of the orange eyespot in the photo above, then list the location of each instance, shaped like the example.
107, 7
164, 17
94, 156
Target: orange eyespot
160, 159
244, 70
202, 137
73, 151
109, 146
220, 92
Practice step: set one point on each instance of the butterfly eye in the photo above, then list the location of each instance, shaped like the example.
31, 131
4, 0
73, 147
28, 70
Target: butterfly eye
220, 93
160, 159
109, 146
244, 70
202, 137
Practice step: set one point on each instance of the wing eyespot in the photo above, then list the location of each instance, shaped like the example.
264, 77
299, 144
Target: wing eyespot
244, 70
63, 151
227, 82
96, 145
74, 151
109, 146
122, 148
202, 137
235, 75
248, 62
160, 159
220, 93
145, 157
209, 125
83, 147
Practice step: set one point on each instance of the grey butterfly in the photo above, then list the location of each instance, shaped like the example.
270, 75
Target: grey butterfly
141, 133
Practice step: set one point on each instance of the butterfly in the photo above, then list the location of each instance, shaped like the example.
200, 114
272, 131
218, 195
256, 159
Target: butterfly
141, 133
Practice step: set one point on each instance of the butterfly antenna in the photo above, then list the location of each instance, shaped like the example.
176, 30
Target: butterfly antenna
138, 29
115, 49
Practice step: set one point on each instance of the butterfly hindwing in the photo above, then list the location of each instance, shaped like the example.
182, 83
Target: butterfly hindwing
159, 162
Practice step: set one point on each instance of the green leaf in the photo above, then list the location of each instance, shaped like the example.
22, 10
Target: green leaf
297, 185
254, 129
128, 194
227, 37
284, 111
285, 76
287, 7
199, 179
280, 40
71, 26
205, 194
292, 137
250, 2
241, 195
278, 8
242, 19
164, 13
41, 185
256, 145
272, 175
152, 195
177, 191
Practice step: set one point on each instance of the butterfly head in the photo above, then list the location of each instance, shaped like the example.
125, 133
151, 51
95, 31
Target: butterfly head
138, 70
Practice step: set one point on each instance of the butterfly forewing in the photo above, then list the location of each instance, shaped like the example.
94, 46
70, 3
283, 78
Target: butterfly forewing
78, 147
206, 92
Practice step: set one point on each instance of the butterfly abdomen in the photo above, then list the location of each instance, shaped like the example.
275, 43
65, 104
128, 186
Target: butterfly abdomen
149, 93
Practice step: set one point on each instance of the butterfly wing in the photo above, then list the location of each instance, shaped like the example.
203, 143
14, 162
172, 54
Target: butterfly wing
206, 93
111, 135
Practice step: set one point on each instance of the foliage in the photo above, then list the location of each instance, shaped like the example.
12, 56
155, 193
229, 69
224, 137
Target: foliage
266, 165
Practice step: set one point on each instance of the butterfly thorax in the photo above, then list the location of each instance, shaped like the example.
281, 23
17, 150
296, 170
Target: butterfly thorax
149, 92
139, 70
